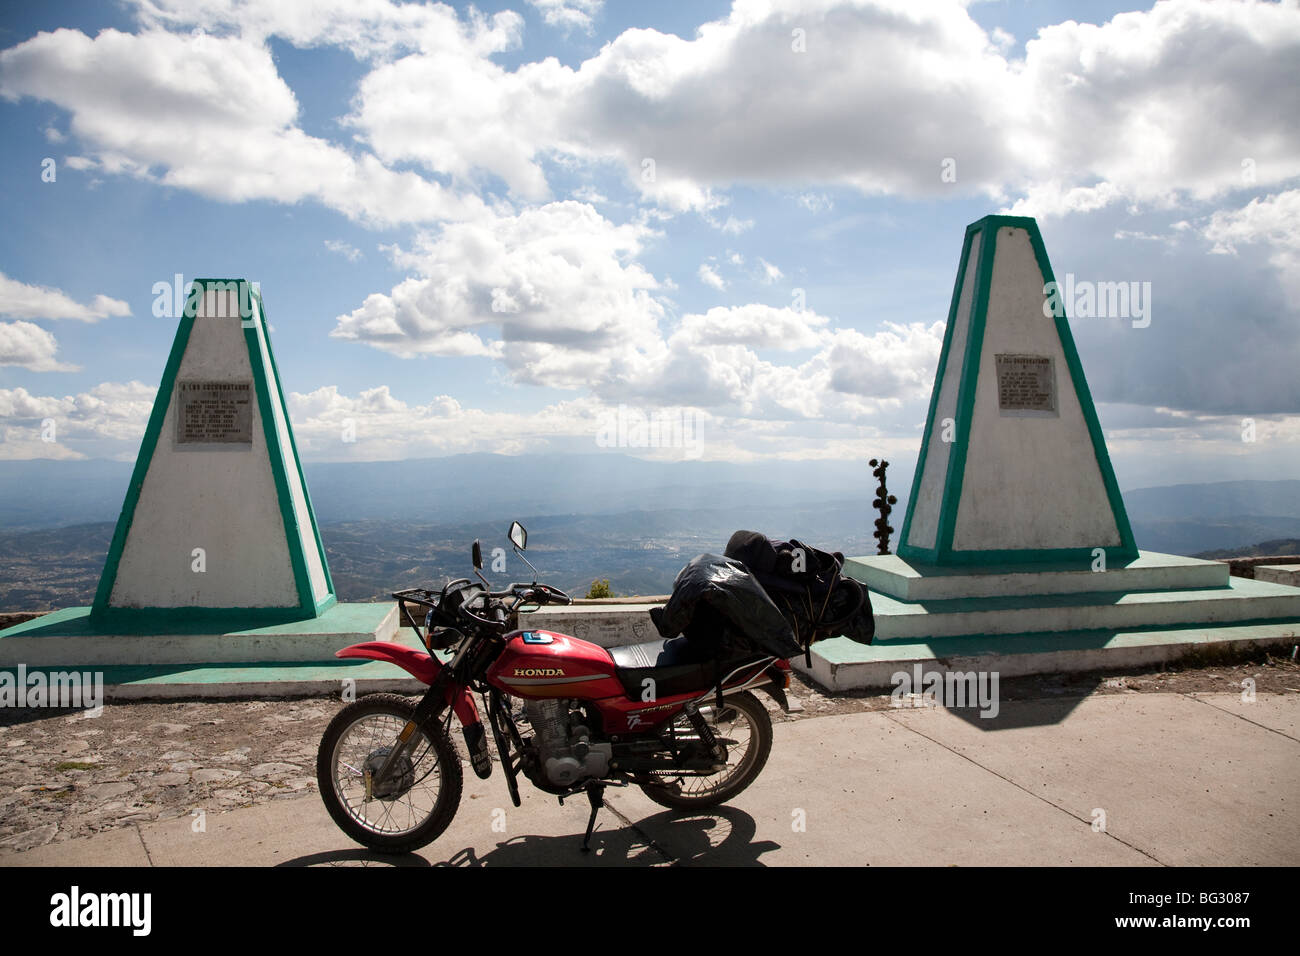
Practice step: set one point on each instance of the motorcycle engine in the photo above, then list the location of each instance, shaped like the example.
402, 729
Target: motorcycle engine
565, 752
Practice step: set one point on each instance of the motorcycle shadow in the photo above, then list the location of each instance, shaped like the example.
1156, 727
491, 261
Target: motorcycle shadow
357, 856
719, 837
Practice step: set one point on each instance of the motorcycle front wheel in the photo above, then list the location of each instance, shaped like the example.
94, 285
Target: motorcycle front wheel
419, 798
744, 727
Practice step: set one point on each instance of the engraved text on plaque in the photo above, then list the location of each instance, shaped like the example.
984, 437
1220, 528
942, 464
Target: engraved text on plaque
214, 413
1026, 383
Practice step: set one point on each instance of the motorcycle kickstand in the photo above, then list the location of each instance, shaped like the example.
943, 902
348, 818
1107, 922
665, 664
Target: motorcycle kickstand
596, 797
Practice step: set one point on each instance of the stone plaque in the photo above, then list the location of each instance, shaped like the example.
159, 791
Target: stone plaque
214, 413
1026, 383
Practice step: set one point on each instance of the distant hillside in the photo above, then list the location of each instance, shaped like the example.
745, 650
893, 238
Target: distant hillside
639, 552
1192, 536
606, 515
1219, 516
55, 494
1220, 499
45, 494
1263, 549
43, 570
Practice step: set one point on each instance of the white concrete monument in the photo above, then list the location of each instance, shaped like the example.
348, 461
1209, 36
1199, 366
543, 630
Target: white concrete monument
1013, 465
217, 522
1016, 552
217, 559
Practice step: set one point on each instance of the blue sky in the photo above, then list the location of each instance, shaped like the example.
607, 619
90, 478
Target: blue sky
450, 215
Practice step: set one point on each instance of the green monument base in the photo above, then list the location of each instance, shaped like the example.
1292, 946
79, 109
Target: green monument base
1016, 555
72, 638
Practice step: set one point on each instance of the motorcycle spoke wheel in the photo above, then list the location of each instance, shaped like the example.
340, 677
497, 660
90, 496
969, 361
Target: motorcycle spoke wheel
745, 729
416, 804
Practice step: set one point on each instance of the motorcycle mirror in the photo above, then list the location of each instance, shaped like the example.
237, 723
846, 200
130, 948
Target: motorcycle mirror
477, 552
518, 536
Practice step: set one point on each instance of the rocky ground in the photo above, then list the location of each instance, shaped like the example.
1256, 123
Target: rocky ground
64, 775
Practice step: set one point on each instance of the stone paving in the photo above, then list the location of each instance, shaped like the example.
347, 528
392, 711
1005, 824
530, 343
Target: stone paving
70, 775
64, 774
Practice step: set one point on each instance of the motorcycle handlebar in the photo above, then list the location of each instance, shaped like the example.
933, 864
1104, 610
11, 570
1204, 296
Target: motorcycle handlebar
495, 610
536, 594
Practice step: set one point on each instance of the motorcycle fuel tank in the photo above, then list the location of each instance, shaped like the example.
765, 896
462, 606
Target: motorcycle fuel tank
544, 664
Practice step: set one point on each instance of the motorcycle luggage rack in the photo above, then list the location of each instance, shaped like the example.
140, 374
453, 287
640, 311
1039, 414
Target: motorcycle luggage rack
421, 597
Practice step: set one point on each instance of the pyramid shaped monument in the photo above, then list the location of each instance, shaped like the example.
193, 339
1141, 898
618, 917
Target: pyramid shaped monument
1013, 465
216, 559
217, 523
1016, 552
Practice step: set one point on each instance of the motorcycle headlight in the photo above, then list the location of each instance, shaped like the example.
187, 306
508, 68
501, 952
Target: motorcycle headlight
439, 638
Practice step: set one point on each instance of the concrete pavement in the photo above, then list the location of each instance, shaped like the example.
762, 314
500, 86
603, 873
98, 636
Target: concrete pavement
1150, 779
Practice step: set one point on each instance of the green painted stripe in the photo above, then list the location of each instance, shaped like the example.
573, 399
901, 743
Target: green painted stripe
1115, 555
308, 604
329, 597
126, 620
966, 392
143, 459
1127, 545
292, 531
943, 553
1238, 589
905, 549
241, 673
841, 651
359, 619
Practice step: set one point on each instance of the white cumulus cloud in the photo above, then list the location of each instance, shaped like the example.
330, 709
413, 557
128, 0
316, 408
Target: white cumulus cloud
212, 115
568, 14
709, 276
18, 300
106, 421
31, 347
554, 292
1272, 222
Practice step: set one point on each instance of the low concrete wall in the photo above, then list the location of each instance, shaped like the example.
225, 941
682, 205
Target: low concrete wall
10, 618
1279, 573
606, 623
1245, 567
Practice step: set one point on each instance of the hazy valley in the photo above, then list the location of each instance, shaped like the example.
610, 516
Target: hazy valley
389, 525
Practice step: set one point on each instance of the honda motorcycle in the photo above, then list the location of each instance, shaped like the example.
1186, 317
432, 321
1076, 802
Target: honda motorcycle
571, 717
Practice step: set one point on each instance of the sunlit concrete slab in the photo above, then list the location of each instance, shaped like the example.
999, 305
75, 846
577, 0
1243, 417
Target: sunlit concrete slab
251, 680
840, 664
1179, 782
906, 580
69, 638
1279, 574
120, 847
860, 790
488, 830
1274, 712
1241, 600
1182, 782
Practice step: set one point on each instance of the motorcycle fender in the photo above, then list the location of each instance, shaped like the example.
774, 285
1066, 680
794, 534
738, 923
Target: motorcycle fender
777, 693
419, 664
424, 667
466, 711
480, 758
775, 688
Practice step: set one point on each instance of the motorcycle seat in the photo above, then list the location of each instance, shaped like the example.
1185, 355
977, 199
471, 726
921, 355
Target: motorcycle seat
676, 666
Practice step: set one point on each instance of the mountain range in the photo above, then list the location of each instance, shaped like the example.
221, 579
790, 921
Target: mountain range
388, 525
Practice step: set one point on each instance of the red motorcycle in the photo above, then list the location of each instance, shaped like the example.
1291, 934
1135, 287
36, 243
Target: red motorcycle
571, 716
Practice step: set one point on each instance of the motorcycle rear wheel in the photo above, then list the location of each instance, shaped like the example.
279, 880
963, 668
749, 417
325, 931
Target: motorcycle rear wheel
406, 813
744, 726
